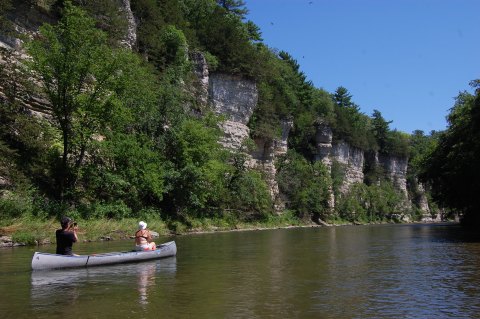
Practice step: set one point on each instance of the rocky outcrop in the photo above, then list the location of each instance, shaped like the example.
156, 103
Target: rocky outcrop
395, 169
264, 156
130, 38
351, 162
422, 203
200, 89
25, 20
234, 98
349, 159
280, 145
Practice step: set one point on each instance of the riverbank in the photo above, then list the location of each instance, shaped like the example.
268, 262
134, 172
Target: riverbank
31, 232
35, 232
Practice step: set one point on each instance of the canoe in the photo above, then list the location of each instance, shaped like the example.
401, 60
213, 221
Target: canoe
41, 261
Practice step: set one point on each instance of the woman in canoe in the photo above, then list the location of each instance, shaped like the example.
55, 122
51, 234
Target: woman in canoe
143, 238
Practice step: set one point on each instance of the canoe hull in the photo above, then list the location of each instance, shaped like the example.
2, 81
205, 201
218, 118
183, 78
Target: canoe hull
42, 261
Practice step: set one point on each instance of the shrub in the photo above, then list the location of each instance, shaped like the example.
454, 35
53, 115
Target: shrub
115, 210
26, 238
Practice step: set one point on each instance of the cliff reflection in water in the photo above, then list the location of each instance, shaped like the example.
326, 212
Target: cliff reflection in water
115, 282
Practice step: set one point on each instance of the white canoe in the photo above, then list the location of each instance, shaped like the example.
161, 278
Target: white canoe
53, 261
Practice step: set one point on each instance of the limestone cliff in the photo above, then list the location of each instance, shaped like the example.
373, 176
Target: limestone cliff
130, 38
351, 162
350, 159
234, 98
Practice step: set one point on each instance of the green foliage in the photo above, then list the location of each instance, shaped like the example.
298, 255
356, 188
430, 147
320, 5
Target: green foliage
85, 82
175, 46
25, 238
114, 210
380, 129
349, 124
125, 168
14, 205
107, 17
75, 67
248, 194
236, 7
5, 24
369, 203
338, 171
123, 141
197, 167
25, 141
306, 185
398, 143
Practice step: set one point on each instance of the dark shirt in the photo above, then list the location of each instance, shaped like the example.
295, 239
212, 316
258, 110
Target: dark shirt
65, 240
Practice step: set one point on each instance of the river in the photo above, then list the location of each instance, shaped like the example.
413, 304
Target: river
378, 271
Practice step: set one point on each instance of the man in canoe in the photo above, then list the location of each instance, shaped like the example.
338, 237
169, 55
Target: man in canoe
143, 238
66, 236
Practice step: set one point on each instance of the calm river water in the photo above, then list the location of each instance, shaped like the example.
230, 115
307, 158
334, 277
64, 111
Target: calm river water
381, 271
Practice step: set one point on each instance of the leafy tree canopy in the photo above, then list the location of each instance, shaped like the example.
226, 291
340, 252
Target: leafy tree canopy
452, 166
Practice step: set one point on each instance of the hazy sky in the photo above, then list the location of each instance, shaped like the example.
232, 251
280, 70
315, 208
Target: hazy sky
408, 59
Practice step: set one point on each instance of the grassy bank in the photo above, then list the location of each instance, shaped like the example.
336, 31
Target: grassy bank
31, 231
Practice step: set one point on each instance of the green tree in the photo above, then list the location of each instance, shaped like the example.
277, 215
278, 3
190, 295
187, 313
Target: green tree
380, 128
79, 74
452, 167
5, 24
197, 168
349, 124
236, 7
306, 185
248, 193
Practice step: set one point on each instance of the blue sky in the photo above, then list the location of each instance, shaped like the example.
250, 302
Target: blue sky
408, 59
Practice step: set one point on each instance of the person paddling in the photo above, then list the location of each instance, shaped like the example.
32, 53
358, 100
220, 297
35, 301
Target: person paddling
143, 238
66, 236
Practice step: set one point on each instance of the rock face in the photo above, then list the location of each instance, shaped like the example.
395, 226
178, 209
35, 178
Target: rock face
350, 159
200, 91
235, 98
396, 170
264, 156
422, 203
25, 20
130, 39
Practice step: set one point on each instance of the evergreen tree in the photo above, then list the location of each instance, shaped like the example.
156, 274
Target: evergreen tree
236, 7
380, 128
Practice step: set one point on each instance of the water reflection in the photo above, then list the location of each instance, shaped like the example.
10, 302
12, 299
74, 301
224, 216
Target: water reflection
65, 287
146, 280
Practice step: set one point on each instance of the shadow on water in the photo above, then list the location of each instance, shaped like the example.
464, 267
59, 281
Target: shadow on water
452, 232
